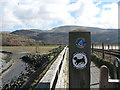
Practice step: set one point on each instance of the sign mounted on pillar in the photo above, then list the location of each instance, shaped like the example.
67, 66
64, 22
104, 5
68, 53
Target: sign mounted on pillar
80, 42
79, 59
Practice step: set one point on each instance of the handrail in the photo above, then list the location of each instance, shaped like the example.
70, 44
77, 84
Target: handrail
106, 49
117, 60
116, 64
106, 46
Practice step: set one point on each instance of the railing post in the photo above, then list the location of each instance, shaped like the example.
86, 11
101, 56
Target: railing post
108, 46
103, 77
103, 54
105, 82
119, 71
115, 69
79, 59
92, 47
112, 47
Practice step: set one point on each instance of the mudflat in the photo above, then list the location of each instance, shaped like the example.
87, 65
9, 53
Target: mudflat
3, 56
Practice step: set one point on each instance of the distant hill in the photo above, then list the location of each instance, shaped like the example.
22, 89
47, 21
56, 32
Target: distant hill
72, 27
16, 40
46, 36
105, 36
60, 34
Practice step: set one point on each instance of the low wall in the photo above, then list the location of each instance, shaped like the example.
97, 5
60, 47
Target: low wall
50, 78
61, 78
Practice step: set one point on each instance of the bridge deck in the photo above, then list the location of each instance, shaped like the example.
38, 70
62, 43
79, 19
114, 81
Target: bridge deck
95, 74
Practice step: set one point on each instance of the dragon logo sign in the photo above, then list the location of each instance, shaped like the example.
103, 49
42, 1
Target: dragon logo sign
79, 60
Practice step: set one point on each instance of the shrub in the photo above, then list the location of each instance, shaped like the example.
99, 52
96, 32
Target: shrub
99, 62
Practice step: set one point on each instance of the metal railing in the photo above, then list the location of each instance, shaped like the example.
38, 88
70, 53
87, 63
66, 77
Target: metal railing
109, 53
106, 52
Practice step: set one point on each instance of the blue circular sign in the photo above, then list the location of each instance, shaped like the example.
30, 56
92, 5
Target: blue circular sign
80, 43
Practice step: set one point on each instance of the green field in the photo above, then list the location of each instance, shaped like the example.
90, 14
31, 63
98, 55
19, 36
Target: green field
40, 49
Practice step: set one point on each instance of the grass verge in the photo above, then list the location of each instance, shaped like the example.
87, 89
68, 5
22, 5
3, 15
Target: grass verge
40, 49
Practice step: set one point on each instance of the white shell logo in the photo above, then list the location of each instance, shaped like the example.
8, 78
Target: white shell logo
79, 60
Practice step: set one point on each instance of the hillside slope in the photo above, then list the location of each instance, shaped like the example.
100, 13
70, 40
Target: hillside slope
60, 34
16, 40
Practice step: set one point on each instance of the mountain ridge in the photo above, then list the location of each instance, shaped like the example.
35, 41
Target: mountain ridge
60, 34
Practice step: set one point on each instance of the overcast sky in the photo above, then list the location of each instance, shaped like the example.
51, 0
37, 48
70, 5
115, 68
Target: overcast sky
47, 14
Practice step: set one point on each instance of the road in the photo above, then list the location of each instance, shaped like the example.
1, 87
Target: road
17, 67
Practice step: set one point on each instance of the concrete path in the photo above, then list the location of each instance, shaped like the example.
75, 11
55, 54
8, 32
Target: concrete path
95, 75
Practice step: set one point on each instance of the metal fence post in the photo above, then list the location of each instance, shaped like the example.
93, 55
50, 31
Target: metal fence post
103, 54
92, 47
108, 46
